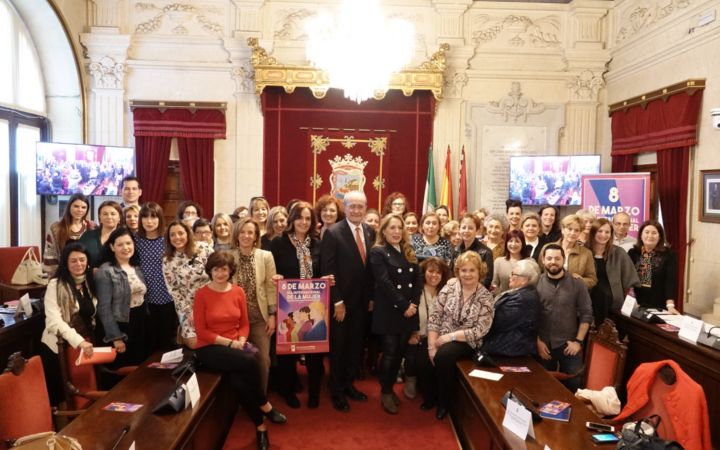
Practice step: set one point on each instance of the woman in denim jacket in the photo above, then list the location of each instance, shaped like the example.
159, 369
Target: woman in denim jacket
121, 290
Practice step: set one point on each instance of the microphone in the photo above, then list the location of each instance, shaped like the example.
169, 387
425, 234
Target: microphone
123, 432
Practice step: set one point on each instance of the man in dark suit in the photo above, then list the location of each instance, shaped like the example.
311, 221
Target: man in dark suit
343, 253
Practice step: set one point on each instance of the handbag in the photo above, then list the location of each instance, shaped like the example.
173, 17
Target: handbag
642, 435
29, 270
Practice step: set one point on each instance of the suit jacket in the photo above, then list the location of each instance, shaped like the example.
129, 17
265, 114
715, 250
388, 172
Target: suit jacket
398, 283
265, 289
340, 256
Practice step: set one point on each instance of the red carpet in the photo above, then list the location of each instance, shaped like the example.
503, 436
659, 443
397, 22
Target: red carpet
367, 426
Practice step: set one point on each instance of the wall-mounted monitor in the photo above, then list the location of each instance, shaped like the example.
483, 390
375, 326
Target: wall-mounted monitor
555, 180
65, 169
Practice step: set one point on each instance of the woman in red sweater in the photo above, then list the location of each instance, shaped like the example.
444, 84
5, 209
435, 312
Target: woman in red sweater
222, 327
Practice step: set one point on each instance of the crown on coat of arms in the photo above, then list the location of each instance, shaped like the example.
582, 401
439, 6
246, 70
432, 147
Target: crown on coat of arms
347, 161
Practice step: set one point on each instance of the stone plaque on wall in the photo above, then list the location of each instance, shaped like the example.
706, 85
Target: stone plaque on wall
514, 125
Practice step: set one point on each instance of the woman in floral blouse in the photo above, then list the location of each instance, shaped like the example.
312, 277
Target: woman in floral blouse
184, 271
462, 316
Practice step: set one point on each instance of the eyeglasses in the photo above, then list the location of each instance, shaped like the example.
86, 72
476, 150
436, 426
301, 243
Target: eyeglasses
513, 274
398, 203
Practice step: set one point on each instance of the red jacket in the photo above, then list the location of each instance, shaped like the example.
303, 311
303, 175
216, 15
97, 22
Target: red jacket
685, 404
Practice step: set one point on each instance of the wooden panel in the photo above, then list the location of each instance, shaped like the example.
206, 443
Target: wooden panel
21, 335
648, 343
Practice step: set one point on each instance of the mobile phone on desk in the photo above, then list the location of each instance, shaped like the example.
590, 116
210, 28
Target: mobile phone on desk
605, 438
599, 427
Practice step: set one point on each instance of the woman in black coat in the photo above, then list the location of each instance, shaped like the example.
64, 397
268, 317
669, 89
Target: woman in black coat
398, 284
297, 255
514, 327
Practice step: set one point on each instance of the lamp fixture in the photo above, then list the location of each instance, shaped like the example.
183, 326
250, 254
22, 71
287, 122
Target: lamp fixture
359, 48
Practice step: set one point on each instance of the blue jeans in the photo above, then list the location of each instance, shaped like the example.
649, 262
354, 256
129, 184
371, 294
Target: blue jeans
567, 364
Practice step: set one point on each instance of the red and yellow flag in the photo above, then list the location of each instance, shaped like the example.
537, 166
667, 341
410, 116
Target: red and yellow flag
446, 197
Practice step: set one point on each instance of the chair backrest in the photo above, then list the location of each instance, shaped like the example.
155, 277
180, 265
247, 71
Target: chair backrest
24, 400
605, 358
11, 257
75, 378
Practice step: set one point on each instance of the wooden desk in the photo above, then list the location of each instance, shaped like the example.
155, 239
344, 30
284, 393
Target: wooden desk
201, 428
15, 291
478, 413
648, 343
20, 335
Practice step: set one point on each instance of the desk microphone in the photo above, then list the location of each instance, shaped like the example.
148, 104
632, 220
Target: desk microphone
123, 432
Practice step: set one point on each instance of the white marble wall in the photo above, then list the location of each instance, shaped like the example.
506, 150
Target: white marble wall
657, 43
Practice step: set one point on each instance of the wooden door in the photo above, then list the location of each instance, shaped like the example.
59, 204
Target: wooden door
173, 191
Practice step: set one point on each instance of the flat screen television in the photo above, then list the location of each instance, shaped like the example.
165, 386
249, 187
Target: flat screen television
555, 180
65, 169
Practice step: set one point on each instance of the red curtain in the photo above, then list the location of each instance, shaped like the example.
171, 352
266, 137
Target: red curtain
196, 131
152, 153
673, 167
197, 171
290, 119
622, 163
667, 126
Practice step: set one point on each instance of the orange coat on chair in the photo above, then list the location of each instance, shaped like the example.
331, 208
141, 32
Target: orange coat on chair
685, 404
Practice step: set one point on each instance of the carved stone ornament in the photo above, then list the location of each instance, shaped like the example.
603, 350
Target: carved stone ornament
586, 85
291, 26
244, 79
515, 105
646, 14
107, 73
518, 30
456, 84
180, 18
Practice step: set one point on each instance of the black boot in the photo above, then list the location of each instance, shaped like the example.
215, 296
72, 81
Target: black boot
263, 441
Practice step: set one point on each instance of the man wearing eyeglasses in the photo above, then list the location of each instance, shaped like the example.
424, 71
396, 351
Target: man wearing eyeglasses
565, 317
343, 253
621, 226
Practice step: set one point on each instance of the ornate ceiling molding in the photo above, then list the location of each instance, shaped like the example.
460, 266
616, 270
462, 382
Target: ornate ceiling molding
269, 72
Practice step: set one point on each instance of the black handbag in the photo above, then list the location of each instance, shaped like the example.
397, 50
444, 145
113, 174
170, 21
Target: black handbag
642, 435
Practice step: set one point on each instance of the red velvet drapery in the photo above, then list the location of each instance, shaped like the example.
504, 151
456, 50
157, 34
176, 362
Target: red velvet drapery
196, 131
196, 167
152, 154
668, 127
291, 119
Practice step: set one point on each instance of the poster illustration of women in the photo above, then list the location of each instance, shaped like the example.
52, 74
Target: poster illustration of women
303, 316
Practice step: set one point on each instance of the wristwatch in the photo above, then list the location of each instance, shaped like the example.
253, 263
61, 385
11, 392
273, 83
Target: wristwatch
578, 341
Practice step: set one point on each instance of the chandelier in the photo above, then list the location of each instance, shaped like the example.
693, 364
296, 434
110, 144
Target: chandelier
359, 48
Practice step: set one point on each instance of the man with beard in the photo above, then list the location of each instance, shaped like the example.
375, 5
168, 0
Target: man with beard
565, 318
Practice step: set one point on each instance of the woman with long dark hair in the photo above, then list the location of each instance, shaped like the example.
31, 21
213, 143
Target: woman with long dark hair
656, 265
121, 292
398, 283
184, 272
73, 224
549, 224
515, 250
297, 255
70, 304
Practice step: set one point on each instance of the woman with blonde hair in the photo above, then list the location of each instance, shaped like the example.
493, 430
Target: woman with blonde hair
451, 232
256, 275
131, 217
259, 209
495, 237
398, 283
578, 259
277, 222
429, 242
586, 221
530, 225
221, 226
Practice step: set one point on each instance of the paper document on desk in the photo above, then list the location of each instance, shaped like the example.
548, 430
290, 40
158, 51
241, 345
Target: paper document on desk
672, 319
174, 356
518, 419
477, 373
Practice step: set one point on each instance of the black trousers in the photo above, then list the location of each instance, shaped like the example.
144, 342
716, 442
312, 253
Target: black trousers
287, 371
445, 360
393, 349
417, 364
243, 370
136, 347
346, 344
162, 327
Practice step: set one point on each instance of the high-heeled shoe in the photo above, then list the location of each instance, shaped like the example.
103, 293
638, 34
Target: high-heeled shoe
275, 416
262, 440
